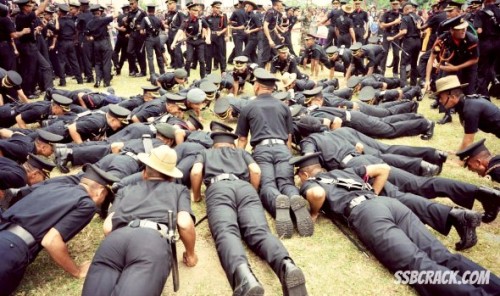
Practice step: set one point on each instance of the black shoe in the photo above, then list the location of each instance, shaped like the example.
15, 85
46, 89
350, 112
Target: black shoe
90, 79
465, 222
79, 82
48, 94
446, 118
305, 225
132, 74
107, 85
33, 97
97, 84
245, 283
140, 75
292, 279
118, 71
62, 83
441, 157
434, 105
428, 169
63, 154
430, 132
490, 198
284, 225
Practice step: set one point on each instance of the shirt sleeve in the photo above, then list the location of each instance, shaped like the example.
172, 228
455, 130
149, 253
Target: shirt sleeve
242, 127
87, 126
471, 121
184, 202
73, 222
404, 24
200, 158
247, 157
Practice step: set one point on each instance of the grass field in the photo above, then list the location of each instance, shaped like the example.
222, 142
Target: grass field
331, 263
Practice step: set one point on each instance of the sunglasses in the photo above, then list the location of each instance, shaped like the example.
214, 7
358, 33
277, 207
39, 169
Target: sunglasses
194, 10
240, 63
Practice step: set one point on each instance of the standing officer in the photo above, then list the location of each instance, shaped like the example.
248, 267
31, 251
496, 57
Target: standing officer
173, 21
487, 24
272, 19
476, 113
8, 50
238, 21
120, 51
235, 212
344, 27
31, 225
410, 34
253, 30
272, 152
31, 60
292, 20
66, 33
135, 48
389, 23
331, 18
217, 21
140, 214
151, 27
196, 32
85, 46
478, 158
360, 22
97, 29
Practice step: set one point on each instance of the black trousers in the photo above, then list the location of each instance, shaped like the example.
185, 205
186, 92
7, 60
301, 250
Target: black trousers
276, 174
15, 260
153, 47
488, 57
400, 241
119, 165
411, 46
32, 61
216, 53
288, 41
131, 131
234, 213
86, 56
136, 51
83, 154
344, 39
67, 57
125, 265
239, 40
381, 111
195, 47
395, 55
251, 48
8, 59
460, 193
359, 32
389, 127
329, 38
103, 52
267, 52
120, 52
176, 58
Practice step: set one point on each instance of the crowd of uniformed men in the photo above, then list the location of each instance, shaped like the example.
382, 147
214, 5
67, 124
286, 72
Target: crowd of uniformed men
146, 157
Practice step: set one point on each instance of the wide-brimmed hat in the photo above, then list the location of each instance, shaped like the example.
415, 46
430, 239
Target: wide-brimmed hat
447, 83
288, 78
347, 8
162, 159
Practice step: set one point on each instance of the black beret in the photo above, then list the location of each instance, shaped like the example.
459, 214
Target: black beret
305, 160
21, 2
308, 125
61, 100
150, 88
48, 137
472, 150
195, 122
223, 137
46, 166
216, 126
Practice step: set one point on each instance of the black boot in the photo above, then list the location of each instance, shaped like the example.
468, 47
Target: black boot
63, 156
245, 282
305, 225
490, 198
292, 279
429, 133
465, 222
284, 225
428, 169
441, 157
97, 83
446, 119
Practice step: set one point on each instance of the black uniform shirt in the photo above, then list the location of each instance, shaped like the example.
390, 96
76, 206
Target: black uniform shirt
121, 23
370, 52
174, 19
359, 18
132, 103
466, 50
26, 21
217, 22
67, 29
152, 108
272, 17
316, 52
93, 126
81, 23
338, 198
484, 20
242, 77
494, 172
134, 19
148, 199
194, 27
238, 18
17, 147
343, 24
65, 207
154, 26
98, 27
253, 22
136, 146
479, 114
408, 22
433, 22
6, 28
332, 16
12, 174
167, 80
186, 149
288, 65
388, 17
333, 148
225, 160
34, 112
266, 118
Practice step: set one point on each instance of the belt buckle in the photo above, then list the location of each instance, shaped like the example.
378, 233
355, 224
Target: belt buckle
135, 223
357, 201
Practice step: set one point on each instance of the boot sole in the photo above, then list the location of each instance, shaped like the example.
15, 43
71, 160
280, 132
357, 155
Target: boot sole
254, 291
295, 283
284, 225
472, 220
305, 225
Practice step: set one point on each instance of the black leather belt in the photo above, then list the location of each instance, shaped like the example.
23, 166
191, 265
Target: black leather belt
356, 202
143, 223
23, 234
223, 177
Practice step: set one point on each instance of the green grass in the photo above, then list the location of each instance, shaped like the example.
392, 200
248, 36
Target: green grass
331, 263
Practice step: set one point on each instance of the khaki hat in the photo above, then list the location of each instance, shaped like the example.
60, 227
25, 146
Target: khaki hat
163, 160
448, 83
288, 78
347, 8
